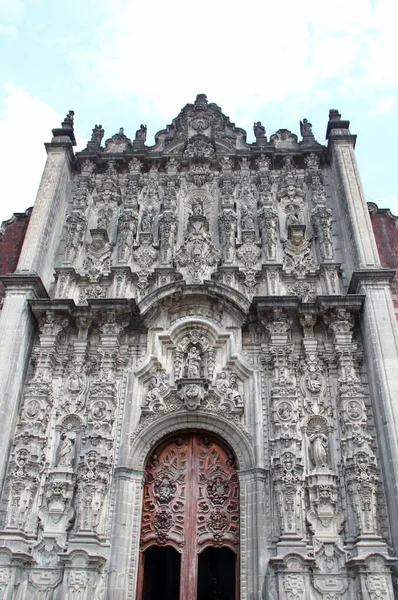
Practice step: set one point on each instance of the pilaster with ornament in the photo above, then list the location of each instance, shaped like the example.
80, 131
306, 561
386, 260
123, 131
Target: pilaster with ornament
324, 515
97, 448
108, 198
26, 467
85, 186
359, 459
288, 467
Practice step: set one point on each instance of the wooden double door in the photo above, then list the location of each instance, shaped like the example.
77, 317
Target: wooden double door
190, 521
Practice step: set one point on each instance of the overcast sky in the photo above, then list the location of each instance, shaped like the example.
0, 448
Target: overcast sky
125, 62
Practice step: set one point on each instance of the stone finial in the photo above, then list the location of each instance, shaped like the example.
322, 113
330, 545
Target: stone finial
68, 122
335, 122
201, 100
66, 130
334, 115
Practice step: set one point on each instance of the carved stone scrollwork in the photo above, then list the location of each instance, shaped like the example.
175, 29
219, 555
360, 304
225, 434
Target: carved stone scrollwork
76, 226
322, 222
98, 255
298, 259
168, 224
227, 222
197, 257
288, 482
93, 483
127, 231
24, 479
268, 219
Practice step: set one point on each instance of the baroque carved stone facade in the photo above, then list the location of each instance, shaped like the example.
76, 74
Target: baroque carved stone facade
203, 302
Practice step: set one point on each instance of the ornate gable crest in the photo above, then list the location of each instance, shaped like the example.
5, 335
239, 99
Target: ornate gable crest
204, 119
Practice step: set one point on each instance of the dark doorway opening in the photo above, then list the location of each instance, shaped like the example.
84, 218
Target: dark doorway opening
161, 574
217, 574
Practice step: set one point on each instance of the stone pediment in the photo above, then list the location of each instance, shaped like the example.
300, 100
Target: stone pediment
201, 118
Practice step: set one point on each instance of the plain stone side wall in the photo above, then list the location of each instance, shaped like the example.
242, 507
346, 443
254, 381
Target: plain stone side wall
12, 235
385, 228
17, 327
48, 216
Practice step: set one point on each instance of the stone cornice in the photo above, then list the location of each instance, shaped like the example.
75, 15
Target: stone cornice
372, 276
264, 304
25, 282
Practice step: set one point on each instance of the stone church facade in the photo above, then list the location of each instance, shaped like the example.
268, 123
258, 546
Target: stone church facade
199, 372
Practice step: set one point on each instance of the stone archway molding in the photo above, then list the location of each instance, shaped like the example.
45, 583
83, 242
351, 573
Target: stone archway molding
170, 424
129, 479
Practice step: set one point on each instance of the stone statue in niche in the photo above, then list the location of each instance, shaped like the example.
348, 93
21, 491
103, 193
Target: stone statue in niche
193, 363
66, 448
319, 443
292, 217
247, 220
147, 218
197, 206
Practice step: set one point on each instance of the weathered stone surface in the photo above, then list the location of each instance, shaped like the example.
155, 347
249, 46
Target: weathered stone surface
200, 284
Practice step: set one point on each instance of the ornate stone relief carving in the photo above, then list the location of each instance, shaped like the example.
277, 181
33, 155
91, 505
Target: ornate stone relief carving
98, 255
197, 257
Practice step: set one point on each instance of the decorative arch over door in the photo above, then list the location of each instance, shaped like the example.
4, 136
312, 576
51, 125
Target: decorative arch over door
191, 511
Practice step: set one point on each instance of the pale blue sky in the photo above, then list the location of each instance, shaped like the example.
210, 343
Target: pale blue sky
125, 62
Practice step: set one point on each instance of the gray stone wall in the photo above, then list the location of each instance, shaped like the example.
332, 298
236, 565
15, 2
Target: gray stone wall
204, 284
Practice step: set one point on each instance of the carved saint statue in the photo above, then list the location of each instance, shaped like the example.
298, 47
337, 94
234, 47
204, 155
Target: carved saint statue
306, 128
193, 363
292, 217
141, 133
197, 206
259, 129
319, 443
147, 219
66, 449
98, 134
247, 218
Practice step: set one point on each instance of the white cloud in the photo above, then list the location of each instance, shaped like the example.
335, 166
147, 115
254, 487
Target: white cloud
25, 124
11, 15
385, 105
243, 55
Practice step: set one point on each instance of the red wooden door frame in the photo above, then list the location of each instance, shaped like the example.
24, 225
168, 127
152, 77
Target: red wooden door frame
190, 502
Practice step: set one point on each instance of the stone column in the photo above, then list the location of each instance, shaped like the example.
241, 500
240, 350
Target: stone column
253, 544
34, 269
17, 329
378, 321
380, 339
48, 215
352, 198
125, 541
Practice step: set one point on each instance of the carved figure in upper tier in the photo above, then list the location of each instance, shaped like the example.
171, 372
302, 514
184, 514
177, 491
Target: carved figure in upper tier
141, 133
306, 128
193, 363
319, 443
247, 218
66, 449
292, 217
97, 134
259, 129
147, 219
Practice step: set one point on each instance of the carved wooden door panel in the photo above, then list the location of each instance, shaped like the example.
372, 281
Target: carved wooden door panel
191, 502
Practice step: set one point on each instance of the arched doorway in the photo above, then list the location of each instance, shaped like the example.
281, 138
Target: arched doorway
189, 546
